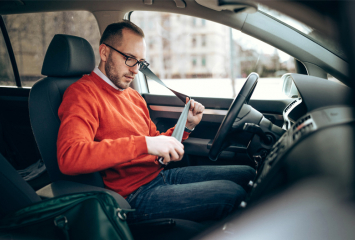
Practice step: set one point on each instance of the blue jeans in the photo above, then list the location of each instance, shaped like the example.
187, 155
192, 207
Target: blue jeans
196, 193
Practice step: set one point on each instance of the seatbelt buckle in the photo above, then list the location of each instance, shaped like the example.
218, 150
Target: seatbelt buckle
160, 160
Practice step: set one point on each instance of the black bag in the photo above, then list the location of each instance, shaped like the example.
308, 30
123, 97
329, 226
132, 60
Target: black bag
91, 215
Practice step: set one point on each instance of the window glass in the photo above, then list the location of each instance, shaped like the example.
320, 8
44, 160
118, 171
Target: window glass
207, 59
316, 35
30, 35
7, 77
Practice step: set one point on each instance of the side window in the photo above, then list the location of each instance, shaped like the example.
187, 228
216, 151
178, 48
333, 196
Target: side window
31, 34
202, 58
7, 77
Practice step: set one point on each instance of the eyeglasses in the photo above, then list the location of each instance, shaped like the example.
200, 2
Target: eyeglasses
131, 61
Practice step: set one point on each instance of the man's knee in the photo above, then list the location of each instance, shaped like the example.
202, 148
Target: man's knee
250, 173
229, 196
246, 174
232, 191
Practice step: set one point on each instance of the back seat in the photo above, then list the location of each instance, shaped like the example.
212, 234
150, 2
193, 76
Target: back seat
17, 143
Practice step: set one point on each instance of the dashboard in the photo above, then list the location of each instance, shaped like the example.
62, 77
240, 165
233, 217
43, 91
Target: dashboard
318, 123
311, 93
292, 112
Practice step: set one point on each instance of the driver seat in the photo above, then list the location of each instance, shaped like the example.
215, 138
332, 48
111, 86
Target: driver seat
67, 59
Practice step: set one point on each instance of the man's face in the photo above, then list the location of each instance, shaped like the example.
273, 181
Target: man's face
116, 70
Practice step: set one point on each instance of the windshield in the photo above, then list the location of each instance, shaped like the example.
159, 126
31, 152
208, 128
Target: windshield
312, 33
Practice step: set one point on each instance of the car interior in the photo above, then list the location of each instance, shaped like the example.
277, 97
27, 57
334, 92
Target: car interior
301, 145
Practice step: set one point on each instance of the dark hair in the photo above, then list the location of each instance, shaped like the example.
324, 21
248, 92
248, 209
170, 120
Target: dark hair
113, 32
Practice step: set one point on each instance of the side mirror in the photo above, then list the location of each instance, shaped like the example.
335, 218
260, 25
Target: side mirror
288, 87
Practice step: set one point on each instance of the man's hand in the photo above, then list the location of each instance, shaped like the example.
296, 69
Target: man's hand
195, 114
167, 147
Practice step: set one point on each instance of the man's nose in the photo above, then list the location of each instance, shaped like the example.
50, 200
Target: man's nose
134, 69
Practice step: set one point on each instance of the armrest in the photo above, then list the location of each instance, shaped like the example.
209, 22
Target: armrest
60, 188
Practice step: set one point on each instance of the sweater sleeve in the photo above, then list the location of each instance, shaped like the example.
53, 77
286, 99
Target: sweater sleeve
77, 151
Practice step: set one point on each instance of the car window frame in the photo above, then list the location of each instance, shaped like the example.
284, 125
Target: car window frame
140, 77
10, 52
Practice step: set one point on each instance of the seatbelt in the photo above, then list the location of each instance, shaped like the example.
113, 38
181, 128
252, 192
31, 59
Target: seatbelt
180, 125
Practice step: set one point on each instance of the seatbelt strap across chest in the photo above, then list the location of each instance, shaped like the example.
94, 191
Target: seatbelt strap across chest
180, 125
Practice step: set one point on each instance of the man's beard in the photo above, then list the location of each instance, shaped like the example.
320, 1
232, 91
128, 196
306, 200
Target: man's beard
115, 78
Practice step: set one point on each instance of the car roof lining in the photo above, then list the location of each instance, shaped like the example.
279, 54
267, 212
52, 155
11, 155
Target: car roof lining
193, 9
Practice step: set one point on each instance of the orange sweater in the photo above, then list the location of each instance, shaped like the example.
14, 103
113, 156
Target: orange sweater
103, 129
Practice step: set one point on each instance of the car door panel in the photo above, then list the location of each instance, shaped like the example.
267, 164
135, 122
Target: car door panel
165, 111
16, 127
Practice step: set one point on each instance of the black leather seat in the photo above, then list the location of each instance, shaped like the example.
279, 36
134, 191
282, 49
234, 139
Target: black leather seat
66, 60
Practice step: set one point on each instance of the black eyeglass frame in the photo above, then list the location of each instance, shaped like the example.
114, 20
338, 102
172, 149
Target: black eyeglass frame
142, 64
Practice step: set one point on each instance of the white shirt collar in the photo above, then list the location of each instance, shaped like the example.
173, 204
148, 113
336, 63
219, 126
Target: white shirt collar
106, 79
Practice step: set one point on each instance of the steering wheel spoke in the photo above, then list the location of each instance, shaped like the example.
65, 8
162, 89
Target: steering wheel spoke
224, 129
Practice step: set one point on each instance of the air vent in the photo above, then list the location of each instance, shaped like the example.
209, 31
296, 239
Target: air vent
291, 104
303, 126
305, 129
301, 121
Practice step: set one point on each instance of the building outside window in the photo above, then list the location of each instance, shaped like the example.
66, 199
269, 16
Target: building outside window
203, 40
194, 42
194, 61
203, 61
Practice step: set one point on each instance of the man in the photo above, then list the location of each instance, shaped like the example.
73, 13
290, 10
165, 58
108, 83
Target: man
105, 127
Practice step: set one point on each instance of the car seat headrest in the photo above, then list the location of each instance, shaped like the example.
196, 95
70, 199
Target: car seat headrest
68, 56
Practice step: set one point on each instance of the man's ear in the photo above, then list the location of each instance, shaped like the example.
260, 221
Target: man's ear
104, 52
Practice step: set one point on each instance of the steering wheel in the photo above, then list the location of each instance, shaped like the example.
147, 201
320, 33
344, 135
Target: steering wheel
242, 98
